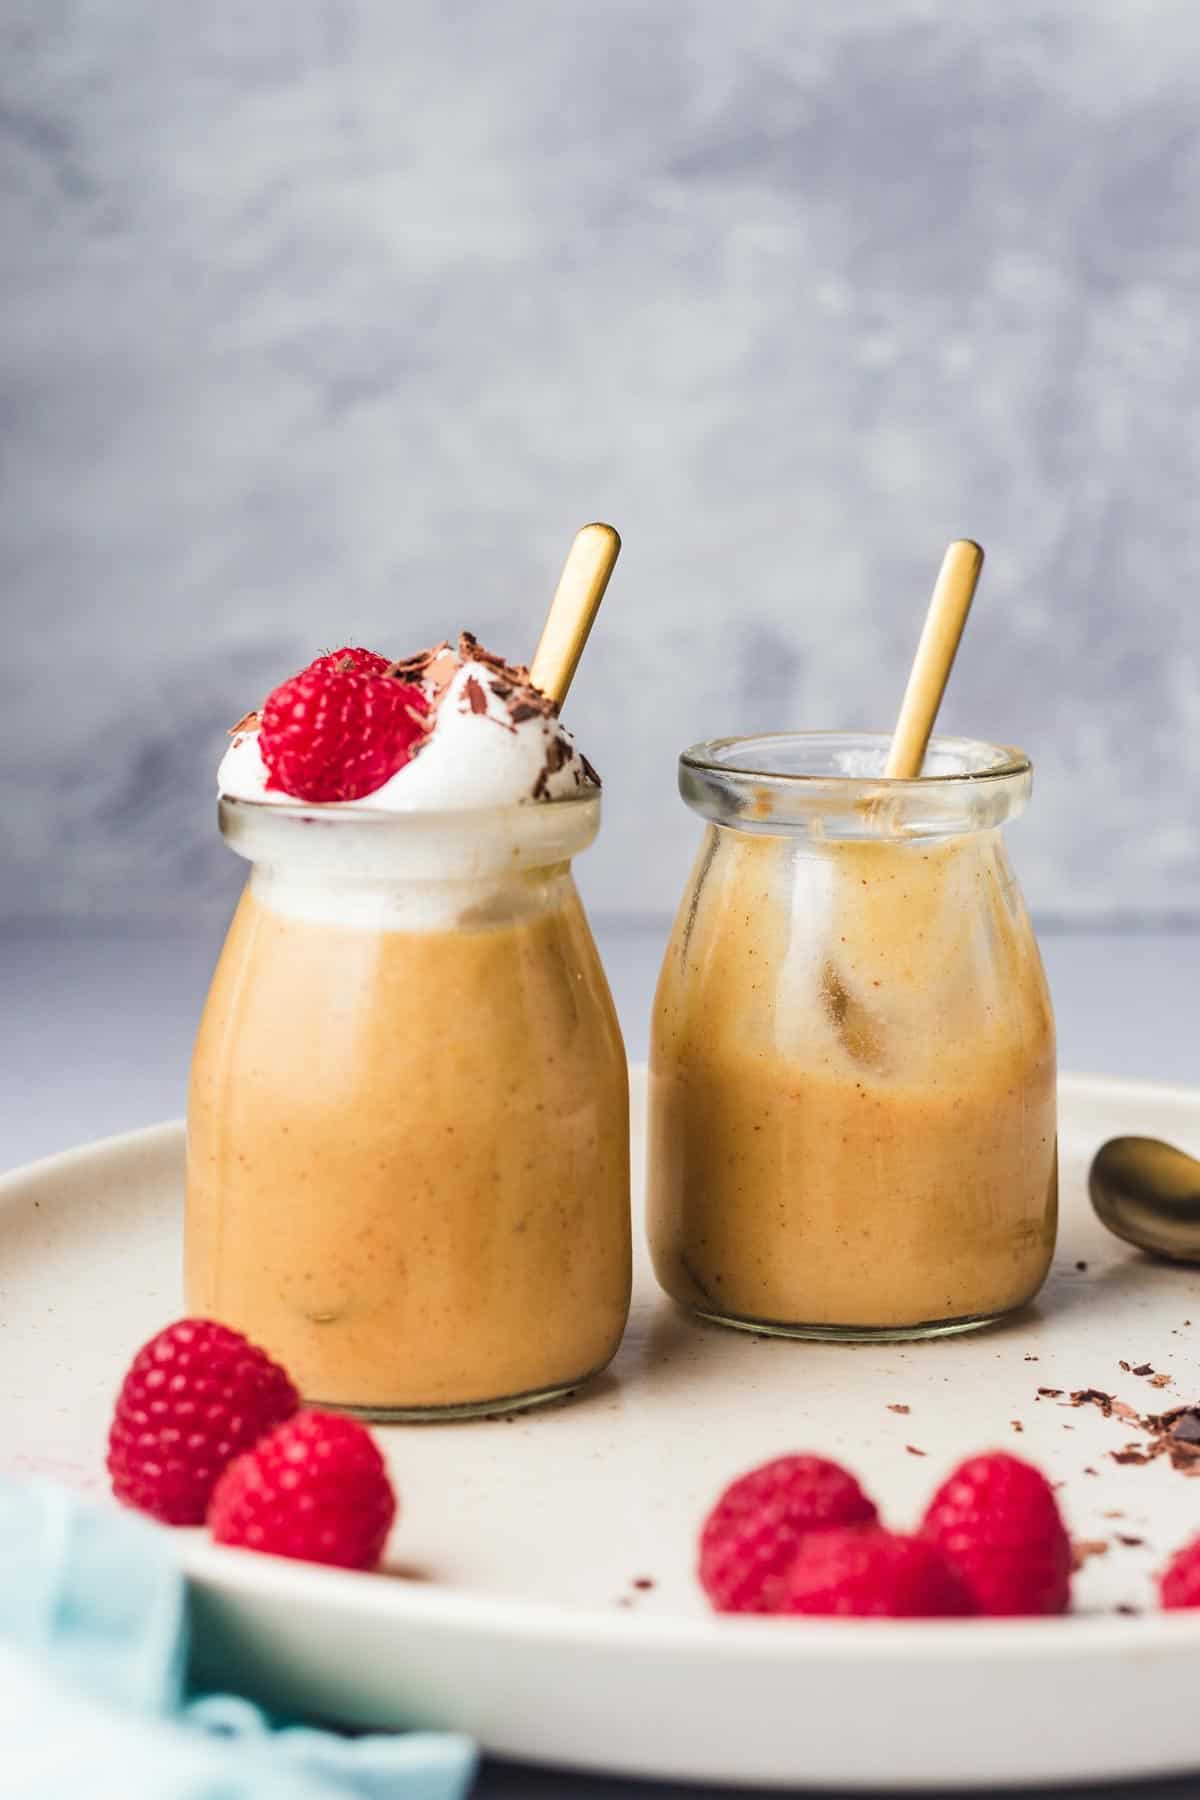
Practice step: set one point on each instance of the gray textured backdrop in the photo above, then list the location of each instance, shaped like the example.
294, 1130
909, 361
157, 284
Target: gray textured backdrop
335, 319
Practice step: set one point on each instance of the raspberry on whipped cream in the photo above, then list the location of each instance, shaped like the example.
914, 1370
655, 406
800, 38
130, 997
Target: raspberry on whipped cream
490, 739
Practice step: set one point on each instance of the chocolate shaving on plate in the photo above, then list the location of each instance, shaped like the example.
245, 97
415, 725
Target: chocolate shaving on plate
1093, 1397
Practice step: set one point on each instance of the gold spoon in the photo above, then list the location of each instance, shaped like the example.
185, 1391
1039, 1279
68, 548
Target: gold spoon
590, 561
1148, 1193
949, 605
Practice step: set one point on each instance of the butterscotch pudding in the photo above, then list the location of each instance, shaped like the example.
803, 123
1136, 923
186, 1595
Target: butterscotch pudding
408, 1163
852, 1121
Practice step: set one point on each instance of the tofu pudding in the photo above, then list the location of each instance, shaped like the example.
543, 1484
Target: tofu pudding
408, 1161
852, 1120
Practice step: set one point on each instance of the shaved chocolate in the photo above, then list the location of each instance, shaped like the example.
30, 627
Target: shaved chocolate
1093, 1397
474, 695
1083, 1550
1183, 1424
519, 701
248, 722
898, 1407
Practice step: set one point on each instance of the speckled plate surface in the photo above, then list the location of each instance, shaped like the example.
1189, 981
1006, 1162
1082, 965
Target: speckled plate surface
540, 1593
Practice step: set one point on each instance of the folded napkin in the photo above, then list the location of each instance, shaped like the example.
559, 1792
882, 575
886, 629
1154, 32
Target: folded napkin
93, 1682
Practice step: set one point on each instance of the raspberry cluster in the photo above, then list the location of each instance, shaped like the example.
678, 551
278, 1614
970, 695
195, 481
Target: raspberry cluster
798, 1535
208, 1428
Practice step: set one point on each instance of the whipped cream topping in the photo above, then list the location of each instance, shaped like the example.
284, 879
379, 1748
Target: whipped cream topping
493, 740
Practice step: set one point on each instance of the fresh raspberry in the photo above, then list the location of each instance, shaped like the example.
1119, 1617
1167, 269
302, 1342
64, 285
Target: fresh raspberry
1179, 1583
195, 1397
865, 1572
752, 1532
997, 1523
315, 1489
333, 734
364, 662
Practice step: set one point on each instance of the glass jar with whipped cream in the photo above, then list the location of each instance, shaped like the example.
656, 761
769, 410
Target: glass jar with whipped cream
852, 1080
408, 1151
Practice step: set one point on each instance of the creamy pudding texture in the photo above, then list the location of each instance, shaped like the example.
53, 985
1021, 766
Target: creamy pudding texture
408, 1166
852, 1086
408, 1121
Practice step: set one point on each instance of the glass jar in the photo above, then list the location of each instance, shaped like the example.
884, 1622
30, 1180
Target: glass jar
408, 1124
852, 1100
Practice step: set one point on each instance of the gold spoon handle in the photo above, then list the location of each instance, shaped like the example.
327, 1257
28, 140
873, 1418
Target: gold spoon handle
951, 602
590, 562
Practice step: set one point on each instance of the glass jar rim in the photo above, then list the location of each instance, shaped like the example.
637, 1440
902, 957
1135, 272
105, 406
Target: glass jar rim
377, 817
831, 784
992, 762
373, 843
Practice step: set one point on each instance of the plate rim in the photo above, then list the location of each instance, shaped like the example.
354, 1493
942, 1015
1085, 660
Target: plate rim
215, 1569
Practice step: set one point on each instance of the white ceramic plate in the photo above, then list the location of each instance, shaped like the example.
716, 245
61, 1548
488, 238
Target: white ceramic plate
513, 1610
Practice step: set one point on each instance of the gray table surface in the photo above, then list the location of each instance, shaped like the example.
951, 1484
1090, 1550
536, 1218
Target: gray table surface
100, 1026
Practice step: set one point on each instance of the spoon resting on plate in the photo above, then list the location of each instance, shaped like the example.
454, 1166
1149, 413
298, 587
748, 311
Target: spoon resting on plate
1148, 1193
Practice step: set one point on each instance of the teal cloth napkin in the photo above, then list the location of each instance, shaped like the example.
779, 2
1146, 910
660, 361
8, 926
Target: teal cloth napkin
93, 1682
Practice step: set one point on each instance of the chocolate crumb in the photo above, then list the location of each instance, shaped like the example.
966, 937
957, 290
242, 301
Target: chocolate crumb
1083, 1549
897, 1407
1131, 1543
1082, 1267
1124, 1365
1049, 1393
1114, 1512
1016, 1424
1130, 1455
1093, 1397
643, 1583
1183, 1424
1091, 1471
1144, 1369
1161, 1380
1033, 1359
474, 695
913, 1451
